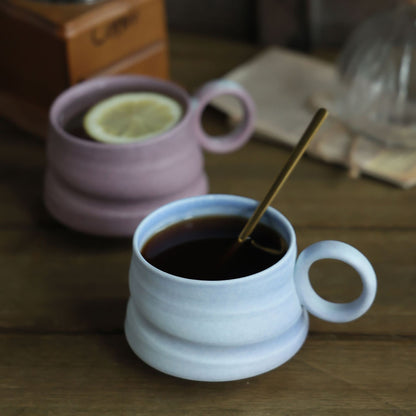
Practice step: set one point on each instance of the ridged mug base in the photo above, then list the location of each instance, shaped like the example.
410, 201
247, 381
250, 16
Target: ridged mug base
104, 217
199, 362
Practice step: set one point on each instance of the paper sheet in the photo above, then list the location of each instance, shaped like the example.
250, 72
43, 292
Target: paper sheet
287, 88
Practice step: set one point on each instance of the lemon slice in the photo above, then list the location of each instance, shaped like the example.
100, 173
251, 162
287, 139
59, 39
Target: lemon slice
131, 117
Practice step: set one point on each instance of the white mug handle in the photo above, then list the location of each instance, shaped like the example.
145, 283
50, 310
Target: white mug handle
321, 308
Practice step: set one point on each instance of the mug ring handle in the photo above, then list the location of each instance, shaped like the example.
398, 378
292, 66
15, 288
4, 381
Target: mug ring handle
241, 133
321, 308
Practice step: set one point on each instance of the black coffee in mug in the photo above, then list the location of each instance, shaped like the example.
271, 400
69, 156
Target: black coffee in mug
75, 127
205, 248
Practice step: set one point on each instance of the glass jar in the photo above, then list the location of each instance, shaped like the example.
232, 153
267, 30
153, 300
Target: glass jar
377, 70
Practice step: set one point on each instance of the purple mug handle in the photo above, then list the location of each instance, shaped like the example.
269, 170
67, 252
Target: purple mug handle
243, 131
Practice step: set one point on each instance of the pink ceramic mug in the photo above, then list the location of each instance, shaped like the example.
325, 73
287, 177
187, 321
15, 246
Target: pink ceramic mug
107, 189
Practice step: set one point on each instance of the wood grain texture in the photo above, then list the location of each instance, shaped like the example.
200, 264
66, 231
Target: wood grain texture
249, 172
63, 294
84, 280
98, 374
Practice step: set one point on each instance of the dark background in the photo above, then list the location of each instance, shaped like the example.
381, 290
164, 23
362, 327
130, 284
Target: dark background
300, 24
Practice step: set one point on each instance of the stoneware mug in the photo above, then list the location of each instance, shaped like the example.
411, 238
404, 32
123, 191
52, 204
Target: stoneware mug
231, 329
107, 189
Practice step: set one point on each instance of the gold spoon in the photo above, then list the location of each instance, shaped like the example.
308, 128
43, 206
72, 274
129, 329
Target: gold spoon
281, 178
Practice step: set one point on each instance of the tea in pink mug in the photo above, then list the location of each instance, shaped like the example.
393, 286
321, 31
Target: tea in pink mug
107, 189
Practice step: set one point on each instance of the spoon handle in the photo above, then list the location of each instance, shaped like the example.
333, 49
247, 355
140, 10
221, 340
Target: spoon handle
293, 159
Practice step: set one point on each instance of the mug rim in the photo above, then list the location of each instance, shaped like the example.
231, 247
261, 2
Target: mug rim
227, 198
75, 92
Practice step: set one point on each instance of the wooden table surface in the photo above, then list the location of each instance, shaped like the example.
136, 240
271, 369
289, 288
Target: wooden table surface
63, 295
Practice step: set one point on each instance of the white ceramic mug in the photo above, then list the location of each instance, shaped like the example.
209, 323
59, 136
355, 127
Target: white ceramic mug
237, 328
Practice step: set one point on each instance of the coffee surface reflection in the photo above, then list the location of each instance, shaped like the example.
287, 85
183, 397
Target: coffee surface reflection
199, 248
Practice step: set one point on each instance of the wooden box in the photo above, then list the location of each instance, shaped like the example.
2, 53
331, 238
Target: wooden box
47, 47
